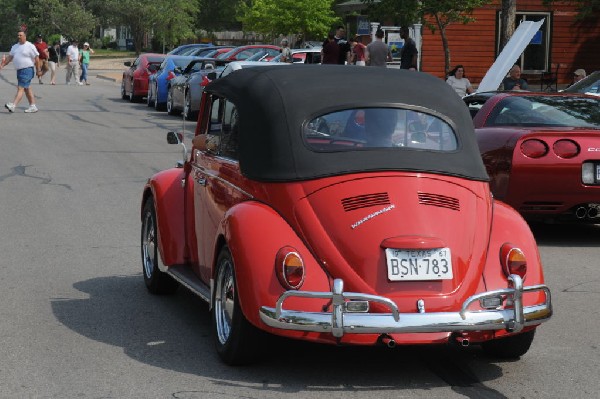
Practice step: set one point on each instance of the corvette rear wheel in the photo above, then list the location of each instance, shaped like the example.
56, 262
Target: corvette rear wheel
156, 281
237, 341
123, 92
170, 105
510, 347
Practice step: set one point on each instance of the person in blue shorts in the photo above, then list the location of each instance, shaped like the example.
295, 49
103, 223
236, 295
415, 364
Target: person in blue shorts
25, 58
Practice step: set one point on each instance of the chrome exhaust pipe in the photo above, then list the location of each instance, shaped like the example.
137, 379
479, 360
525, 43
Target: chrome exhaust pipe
387, 341
592, 211
581, 212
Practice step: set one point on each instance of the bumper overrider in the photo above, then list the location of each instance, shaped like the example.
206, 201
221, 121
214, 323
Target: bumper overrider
339, 321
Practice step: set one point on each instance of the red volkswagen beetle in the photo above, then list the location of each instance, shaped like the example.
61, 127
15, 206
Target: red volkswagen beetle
334, 213
134, 85
542, 152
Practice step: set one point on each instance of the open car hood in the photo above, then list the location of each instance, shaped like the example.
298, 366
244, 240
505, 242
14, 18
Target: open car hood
509, 55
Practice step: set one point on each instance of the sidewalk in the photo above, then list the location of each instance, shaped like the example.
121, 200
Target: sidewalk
108, 68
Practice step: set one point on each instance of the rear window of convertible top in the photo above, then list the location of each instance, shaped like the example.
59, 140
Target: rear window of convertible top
367, 128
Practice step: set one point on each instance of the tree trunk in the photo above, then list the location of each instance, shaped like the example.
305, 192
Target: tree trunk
508, 14
442, 28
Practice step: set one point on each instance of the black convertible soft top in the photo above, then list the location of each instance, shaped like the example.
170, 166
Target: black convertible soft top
274, 104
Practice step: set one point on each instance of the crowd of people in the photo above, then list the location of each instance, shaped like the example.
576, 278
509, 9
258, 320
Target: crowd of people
36, 59
338, 50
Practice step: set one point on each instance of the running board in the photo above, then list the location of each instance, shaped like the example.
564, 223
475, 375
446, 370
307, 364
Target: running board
186, 277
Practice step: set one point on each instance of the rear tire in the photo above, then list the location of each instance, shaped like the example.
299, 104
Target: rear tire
187, 108
123, 92
237, 341
511, 347
170, 106
156, 281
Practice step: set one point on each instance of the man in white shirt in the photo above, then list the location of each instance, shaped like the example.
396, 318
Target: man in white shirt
73, 62
25, 57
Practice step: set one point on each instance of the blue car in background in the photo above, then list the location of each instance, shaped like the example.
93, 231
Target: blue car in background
158, 84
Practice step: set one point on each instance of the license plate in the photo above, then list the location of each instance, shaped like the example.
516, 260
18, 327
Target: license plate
419, 264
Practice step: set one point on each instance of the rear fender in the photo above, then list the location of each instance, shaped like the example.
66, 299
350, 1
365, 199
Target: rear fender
168, 195
509, 226
255, 233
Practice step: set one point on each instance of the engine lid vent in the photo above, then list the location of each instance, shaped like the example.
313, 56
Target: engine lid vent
439, 200
364, 201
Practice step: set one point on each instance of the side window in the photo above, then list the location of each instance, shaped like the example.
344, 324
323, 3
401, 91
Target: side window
223, 128
230, 132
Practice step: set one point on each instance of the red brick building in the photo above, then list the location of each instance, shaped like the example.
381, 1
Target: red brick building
563, 41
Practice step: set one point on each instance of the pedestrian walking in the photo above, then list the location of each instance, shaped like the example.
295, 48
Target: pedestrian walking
53, 61
358, 51
25, 58
73, 58
286, 52
42, 49
85, 62
330, 52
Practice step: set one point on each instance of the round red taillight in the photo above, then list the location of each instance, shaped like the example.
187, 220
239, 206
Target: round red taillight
566, 148
289, 268
534, 148
513, 260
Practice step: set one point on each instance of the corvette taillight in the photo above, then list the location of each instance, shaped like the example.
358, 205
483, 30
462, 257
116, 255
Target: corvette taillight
513, 260
289, 268
566, 148
534, 148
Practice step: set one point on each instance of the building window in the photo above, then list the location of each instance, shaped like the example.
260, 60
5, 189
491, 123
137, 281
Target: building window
536, 57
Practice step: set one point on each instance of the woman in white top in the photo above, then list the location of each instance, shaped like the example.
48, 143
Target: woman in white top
459, 82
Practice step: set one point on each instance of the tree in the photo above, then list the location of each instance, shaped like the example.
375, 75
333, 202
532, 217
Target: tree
13, 13
508, 15
436, 15
274, 17
67, 17
217, 15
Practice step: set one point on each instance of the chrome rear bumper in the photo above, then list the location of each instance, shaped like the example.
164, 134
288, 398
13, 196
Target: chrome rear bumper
339, 321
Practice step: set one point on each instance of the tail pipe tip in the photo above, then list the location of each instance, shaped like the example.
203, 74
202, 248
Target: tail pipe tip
387, 341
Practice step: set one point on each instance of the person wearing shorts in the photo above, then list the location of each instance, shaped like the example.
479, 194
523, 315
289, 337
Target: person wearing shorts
25, 58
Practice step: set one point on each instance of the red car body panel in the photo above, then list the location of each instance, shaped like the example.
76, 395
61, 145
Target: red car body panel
537, 187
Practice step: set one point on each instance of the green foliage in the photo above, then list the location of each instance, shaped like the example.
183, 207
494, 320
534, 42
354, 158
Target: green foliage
13, 13
67, 17
215, 15
275, 17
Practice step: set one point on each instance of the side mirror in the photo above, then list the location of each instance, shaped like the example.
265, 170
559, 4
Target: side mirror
177, 138
127, 63
174, 138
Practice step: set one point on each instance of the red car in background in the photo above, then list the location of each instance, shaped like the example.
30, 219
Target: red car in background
243, 52
134, 85
542, 152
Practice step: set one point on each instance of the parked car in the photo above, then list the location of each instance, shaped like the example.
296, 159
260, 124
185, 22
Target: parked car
212, 50
186, 48
286, 225
542, 152
134, 84
237, 65
158, 83
303, 56
186, 88
243, 52
588, 85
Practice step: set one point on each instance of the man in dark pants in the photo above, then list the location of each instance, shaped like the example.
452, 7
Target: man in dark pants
408, 59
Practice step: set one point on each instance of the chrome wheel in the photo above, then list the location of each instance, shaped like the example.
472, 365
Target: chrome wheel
148, 244
224, 301
187, 108
156, 281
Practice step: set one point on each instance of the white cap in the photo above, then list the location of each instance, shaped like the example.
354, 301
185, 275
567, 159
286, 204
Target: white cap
86, 44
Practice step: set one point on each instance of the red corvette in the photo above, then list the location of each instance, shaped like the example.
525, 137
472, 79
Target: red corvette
134, 85
343, 214
542, 152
